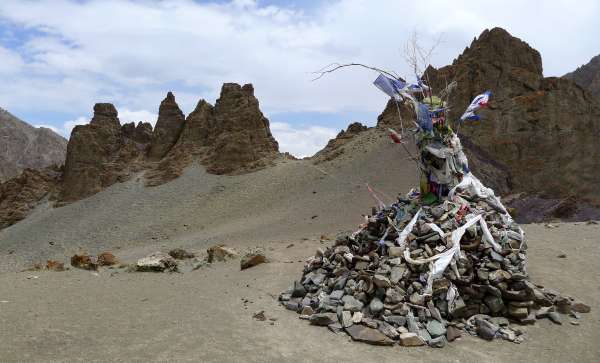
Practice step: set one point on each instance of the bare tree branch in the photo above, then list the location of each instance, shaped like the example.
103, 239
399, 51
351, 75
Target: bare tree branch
335, 66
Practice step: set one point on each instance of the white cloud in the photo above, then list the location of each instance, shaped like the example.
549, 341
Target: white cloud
301, 141
70, 125
75, 57
10, 61
126, 116
55, 129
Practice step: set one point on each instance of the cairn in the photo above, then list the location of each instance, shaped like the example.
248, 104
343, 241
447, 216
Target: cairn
440, 262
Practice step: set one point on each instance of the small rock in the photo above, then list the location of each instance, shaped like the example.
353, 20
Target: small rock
260, 316
555, 317
438, 342
55, 266
562, 255
518, 311
495, 303
107, 258
401, 329
417, 299
220, 253
252, 259
574, 322
376, 306
368, 335
543, 312
381, 281
299, 290
507, 334
351, 303
453, 333
396, 274
156, 262
307, 311
563, 305
395, 319
485, 329
411, 340
323, 319
84, 262
345, 318
336, 295
180, 254
424, 334
357, 317
388, 330
335, 328
580, 307
435, 328
395, 251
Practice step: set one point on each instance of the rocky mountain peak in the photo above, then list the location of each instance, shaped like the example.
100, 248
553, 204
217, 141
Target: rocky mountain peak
529, 131
168, 127
229, 138
588, 76
105, 113
334, 147
498, 47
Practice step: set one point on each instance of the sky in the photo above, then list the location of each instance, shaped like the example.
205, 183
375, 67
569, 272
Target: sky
59, 57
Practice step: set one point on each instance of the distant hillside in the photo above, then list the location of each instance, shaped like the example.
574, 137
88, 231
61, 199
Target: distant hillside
24, 146
588, 76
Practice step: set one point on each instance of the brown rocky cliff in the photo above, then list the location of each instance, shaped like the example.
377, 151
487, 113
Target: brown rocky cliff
239, 137
232, 137
19, 195
101, 153
542, 130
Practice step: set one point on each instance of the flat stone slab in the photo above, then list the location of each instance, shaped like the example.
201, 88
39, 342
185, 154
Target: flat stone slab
361, 333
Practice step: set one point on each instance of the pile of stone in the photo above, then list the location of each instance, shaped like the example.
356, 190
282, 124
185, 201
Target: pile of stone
418, 274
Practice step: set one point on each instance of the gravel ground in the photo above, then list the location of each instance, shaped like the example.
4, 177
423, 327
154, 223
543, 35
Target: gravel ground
206, 315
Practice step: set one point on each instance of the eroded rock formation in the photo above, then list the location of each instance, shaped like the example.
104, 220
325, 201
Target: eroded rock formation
231, 137
168, 127
102, 153
542, 131
19, 195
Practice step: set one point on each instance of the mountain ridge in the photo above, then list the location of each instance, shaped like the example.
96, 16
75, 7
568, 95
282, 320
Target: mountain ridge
25, 146
587, 76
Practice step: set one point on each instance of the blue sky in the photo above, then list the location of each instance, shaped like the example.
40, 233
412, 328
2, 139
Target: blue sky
59, 57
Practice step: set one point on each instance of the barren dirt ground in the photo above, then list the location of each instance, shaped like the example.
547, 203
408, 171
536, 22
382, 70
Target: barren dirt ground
206, 315
201, 315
